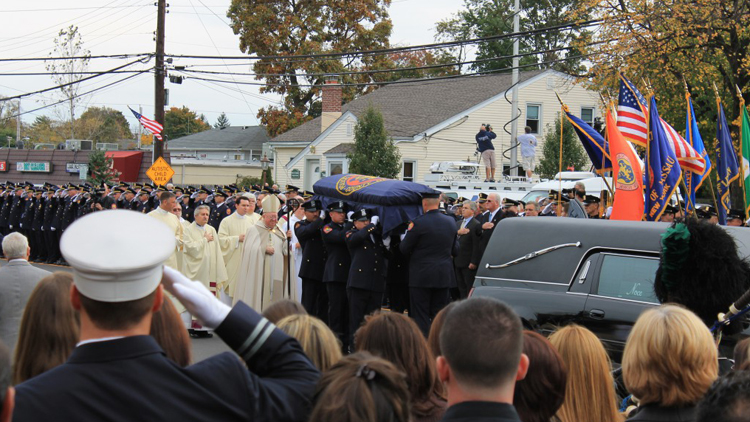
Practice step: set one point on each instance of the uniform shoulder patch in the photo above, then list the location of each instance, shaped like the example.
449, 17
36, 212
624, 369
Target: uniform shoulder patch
229, 212
348, 234
411, 226
327, 229
297, 224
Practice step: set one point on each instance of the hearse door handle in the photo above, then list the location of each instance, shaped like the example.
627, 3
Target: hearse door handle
596, 314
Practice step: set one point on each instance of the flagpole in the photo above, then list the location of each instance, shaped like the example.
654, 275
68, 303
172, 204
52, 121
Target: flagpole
718, 116
559, 191
690, 141
648, 152
742, 146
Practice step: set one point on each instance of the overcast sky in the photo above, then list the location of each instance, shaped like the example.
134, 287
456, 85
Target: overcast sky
196, 27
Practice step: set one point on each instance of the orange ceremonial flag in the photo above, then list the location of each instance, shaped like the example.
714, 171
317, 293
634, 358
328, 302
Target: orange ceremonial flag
628, 176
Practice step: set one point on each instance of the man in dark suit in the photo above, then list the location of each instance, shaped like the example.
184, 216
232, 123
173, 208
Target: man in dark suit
17, 280
482, 342
468, 241
431, 241
336, 272
487, 227
117, 372
310, 236
366, 283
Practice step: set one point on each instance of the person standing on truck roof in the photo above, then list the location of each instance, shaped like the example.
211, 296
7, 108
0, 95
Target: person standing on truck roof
484, 146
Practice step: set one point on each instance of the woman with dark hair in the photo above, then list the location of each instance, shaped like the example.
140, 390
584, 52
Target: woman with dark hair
169, 331
361, 388
433, 339
283, 308
538, 396
49, 329
397, 339
742, 355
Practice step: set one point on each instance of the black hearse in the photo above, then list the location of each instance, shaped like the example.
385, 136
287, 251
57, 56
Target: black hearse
595, 273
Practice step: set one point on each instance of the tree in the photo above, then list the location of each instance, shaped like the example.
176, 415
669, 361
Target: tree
100, 168
182, 122
486, 18
103, 124
374, 152
66, 72
573, 153
45, 130
249, 181
222, 122
700, 41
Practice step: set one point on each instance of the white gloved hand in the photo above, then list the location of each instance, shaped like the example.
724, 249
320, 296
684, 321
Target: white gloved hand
198, 300
387, 242
403, 236
374, 219
349, 215
323, 214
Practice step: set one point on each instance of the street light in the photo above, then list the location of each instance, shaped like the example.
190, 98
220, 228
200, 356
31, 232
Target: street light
264, 165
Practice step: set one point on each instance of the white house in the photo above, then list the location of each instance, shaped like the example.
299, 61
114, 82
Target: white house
429, 121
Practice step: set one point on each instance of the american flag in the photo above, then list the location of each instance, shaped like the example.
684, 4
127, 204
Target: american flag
631, 120
152, 125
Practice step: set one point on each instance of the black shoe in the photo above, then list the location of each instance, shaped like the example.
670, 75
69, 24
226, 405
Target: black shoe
492, 180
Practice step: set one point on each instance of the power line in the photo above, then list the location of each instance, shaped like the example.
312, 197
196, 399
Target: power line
399, 69
68, 8
82, 94
69, 73
71, 83
105, 56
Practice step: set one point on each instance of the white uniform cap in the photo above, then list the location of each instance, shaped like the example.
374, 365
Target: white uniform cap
111, 267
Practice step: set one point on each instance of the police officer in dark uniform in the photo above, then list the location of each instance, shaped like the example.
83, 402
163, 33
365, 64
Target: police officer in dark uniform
310, 236
431, 241
591, 204
366, 283
36, 227
219, 210
482, 205
5, 209
336, 272
50, 236
16, 209
142, 202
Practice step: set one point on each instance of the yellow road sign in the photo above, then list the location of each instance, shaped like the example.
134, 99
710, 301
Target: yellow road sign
160, 172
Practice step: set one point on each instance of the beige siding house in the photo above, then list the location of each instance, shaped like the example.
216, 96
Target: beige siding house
430, 121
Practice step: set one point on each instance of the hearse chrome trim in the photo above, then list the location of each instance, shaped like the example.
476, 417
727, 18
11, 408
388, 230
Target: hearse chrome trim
512, 280
533, 255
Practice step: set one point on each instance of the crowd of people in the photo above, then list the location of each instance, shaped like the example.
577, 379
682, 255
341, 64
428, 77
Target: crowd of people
296, 290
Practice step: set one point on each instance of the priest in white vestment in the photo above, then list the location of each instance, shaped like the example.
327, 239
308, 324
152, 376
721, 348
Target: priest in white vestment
202, 259
163, 213
231, 238
263, 275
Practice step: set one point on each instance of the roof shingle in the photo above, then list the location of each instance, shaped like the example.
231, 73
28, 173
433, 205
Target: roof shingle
233, 137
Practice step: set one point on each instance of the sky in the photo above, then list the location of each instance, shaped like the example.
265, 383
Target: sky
196, 27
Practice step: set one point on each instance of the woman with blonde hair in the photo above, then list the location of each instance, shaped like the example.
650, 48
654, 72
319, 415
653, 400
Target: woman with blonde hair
49, 329
590, 389
317, 340
669, 362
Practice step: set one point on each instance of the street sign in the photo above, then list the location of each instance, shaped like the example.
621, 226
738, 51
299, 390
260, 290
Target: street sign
37, 167
83, 171
75, 167
3, 166
160, 172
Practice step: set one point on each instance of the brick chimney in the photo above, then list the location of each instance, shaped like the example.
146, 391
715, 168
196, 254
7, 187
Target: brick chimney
331, 103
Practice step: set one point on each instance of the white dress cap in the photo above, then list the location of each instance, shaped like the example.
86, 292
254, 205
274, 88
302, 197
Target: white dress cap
117, 255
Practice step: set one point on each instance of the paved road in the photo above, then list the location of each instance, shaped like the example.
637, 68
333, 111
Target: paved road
202, 347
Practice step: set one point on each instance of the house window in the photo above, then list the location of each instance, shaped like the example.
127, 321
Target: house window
533, 120
255, 155
349, 129
238, 157
335, 167
587, 115
409, 171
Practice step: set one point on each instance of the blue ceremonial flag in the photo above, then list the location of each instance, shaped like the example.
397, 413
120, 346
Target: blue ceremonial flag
395, 201
726, 164
595, 145
663, 169
693, 181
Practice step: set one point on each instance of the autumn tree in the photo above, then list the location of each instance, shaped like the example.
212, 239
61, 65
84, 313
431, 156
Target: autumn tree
699, 41
374, 153
8, 120
488, 18
66, 62
573, 153
45, 130
222, 122
103, 124
182, 122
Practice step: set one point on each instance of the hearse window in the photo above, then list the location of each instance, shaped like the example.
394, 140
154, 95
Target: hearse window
628, 277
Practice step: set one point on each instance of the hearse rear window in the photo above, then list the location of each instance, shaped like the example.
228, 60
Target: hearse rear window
628, 277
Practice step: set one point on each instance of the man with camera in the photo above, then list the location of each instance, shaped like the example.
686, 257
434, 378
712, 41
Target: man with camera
484, 146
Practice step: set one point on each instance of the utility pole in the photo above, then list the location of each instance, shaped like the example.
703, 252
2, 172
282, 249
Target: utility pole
18, 123
159, 76
514, 113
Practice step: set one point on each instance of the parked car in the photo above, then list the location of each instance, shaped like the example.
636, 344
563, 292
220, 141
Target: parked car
595, 273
